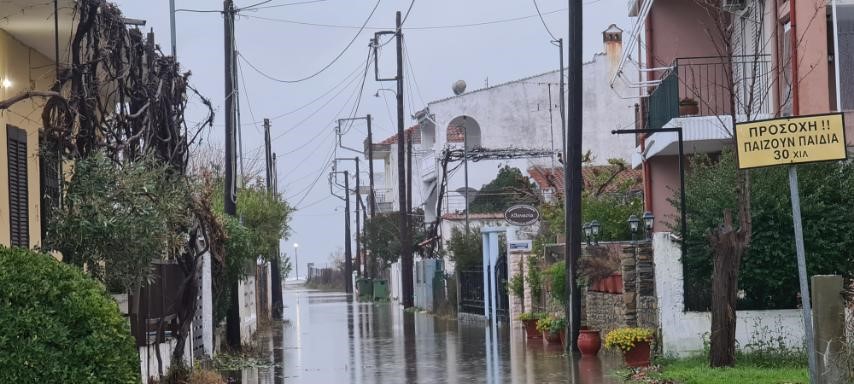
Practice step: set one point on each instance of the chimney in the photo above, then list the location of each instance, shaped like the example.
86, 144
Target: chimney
613, 39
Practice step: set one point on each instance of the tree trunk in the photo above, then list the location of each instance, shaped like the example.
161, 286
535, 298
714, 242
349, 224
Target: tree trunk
729, 246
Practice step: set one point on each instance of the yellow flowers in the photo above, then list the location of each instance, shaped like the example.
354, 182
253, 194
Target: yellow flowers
627, 337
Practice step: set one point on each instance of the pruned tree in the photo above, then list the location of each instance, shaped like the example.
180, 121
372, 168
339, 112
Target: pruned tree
742, 92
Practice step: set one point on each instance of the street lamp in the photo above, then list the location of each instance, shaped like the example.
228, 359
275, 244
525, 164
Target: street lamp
588, 231
594, 228
634, 224
648, 220
296, 259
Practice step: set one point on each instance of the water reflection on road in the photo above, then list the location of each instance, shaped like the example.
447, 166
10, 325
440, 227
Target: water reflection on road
329, 339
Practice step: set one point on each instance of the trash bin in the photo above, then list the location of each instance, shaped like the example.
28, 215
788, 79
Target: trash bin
365, 288
380, 289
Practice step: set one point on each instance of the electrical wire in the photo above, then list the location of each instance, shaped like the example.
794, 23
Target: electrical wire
426, 27
248, 101
412, 72
537, 7
406, 16
289, 4
327, 66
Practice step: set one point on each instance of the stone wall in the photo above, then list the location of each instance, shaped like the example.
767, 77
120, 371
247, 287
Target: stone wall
603, 311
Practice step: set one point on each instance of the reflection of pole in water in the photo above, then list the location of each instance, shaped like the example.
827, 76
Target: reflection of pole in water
409, 347
278, 353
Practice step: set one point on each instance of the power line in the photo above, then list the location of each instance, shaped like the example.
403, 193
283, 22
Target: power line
289, 4
248, 101
406, 16
412, 71
537, 7
426, 27
324, 68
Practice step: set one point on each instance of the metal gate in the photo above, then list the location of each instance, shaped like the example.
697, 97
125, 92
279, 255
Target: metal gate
502, 310
471, 291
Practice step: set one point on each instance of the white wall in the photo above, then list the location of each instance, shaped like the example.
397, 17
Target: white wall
683, 332
248, 309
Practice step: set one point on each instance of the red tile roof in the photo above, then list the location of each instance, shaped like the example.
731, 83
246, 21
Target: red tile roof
553, 178
456, 134
413, 131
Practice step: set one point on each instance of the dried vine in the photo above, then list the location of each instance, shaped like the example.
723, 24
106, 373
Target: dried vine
122, 96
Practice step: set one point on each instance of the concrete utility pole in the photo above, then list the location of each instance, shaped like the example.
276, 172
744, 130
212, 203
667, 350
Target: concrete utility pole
275, 268
172, 29
230, 204
562, 98
572, 174
348, 256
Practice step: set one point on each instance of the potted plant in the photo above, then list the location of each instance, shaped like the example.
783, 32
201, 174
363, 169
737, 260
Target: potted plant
633, 342
589, 342
688, 107
516, 286
529, 319
551, 328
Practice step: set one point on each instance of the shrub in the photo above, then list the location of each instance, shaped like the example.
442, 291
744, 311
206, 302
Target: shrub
531, 316
59, 326
551, 324
516, 286
557, 281
626, 338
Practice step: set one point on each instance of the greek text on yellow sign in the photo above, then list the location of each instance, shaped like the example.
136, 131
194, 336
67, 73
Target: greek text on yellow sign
793, 140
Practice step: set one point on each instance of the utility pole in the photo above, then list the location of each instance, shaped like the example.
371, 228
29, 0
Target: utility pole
359, 259
572, 174
405, 246
275, 268
562, 99
348, 256
171, 28
371, 270
230, 193
409, 176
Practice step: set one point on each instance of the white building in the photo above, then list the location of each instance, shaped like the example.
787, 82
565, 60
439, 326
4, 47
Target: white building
523, 115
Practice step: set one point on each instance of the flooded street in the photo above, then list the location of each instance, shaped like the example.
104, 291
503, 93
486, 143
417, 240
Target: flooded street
328, 339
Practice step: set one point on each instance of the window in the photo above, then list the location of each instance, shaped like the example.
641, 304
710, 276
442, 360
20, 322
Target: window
50, 178
19, 218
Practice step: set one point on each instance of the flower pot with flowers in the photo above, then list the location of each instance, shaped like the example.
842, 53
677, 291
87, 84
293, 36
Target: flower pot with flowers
633, 343
529, 319
551, 327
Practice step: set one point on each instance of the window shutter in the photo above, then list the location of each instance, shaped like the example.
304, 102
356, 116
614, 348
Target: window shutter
19, 218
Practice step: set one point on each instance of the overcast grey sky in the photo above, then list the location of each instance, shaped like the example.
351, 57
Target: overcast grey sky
279, 41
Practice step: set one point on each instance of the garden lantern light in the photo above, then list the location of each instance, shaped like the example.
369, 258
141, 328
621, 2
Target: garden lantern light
588, 231
634, 223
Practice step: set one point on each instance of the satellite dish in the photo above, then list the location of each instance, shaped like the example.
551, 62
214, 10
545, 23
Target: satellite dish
459, 87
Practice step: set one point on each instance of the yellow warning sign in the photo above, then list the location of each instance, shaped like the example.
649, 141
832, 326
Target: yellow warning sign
794, 140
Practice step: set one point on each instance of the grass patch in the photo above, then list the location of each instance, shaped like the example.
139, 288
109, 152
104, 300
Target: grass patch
696, 371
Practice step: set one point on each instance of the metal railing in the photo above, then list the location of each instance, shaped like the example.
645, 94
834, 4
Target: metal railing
707, 82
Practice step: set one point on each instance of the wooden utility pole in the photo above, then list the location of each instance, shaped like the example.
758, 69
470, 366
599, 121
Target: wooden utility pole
371, 266
359, 258
232, 329
348, 256
275, 267
572, 173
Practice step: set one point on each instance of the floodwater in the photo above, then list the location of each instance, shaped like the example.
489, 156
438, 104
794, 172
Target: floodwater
328, 338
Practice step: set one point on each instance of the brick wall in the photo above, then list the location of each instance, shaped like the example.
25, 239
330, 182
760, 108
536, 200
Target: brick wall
603, 311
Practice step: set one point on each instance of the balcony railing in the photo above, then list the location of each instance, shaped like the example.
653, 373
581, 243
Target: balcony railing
707, 81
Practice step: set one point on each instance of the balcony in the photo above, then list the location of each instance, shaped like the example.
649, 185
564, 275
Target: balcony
428, 165
707, 81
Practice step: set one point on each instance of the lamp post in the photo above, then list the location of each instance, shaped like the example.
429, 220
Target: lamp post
634, 225
648, 221
594, 229
588, 231
296, 259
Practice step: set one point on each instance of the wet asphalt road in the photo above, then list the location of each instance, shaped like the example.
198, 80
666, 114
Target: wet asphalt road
327, 338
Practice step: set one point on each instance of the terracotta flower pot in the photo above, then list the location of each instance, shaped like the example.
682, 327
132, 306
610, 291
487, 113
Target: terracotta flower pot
610, 284
638, 356
589, 342
551, 338
531, 329
617, 279
689, 109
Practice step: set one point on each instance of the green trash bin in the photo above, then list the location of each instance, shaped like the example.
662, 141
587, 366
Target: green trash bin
365, 288
380, 289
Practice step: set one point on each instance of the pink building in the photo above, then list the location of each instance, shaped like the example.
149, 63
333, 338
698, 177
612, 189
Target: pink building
697, 76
